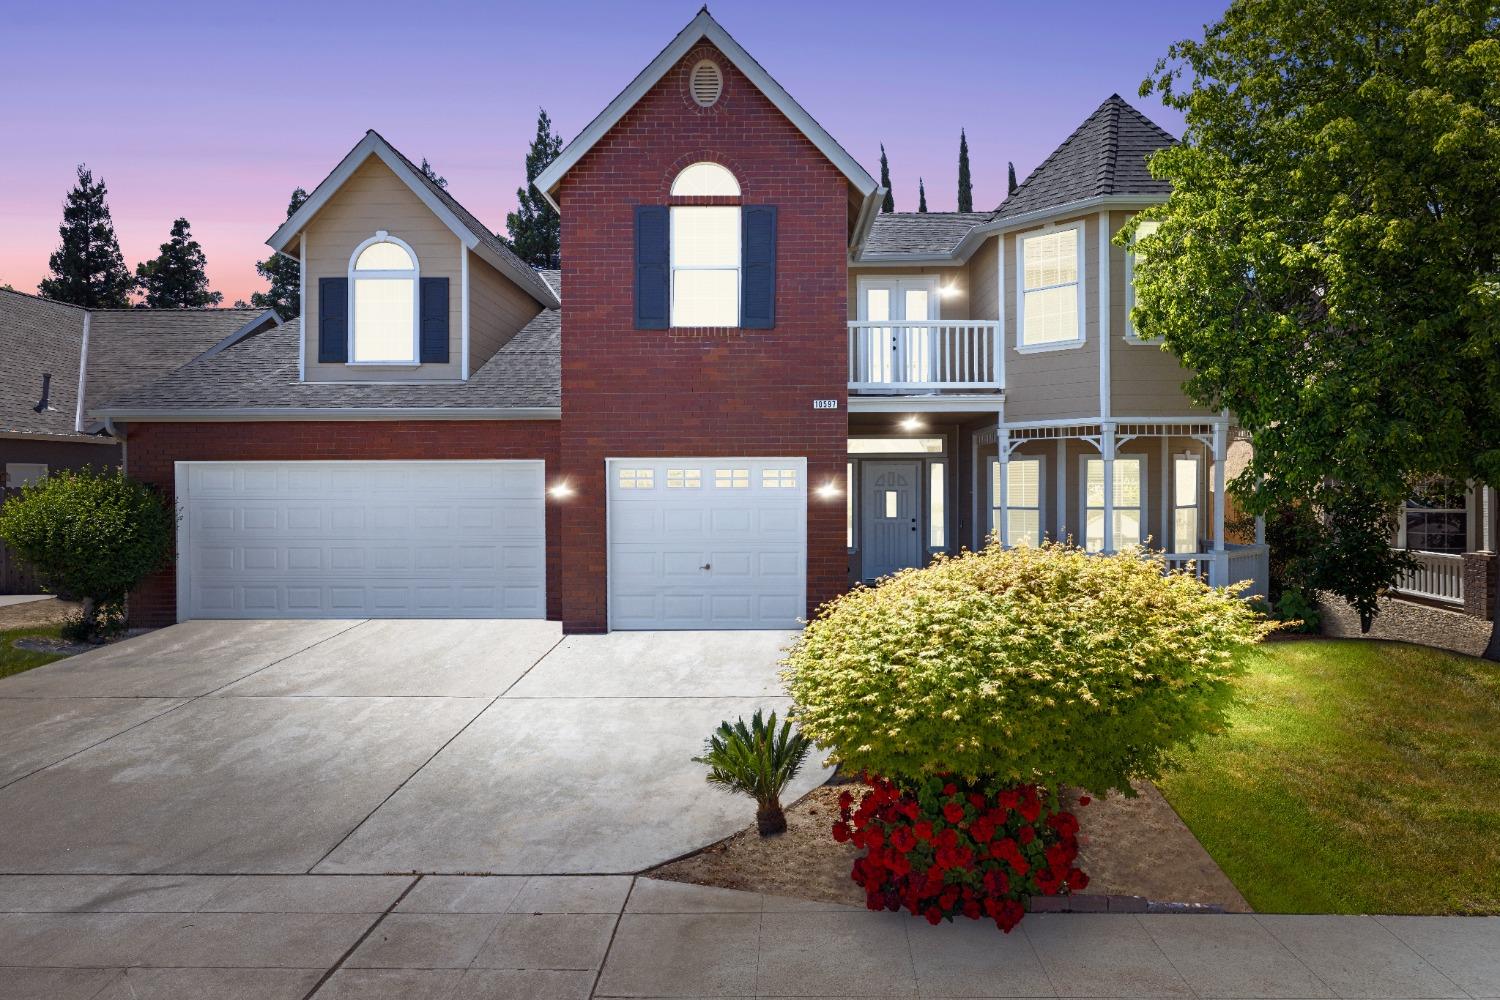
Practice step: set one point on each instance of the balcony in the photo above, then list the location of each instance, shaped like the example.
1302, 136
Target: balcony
1438, 576
925, 356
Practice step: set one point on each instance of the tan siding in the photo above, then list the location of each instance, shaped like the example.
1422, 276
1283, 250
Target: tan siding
374, 198
984, 286
1060, 384
497, 311
955, 306
1145, 379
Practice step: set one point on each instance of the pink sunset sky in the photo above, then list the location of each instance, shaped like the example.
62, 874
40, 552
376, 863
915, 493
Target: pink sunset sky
216, 112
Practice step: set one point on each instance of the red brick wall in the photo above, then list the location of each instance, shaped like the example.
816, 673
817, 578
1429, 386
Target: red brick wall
151, 450
712, 393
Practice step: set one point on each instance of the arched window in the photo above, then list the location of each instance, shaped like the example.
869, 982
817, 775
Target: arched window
383, 302
705, 242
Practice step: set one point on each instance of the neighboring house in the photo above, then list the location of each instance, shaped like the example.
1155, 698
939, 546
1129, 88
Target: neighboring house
746, 391
59, 359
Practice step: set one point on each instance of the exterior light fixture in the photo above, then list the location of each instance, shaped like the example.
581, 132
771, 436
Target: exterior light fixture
829, 490
561, 491
948, 289
911, 424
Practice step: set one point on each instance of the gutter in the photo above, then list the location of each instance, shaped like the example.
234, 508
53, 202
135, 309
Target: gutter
348, 413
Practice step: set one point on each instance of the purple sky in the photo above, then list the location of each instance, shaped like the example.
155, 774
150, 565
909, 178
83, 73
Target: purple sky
216, 111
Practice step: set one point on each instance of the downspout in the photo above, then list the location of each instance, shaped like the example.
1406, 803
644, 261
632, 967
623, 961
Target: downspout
83, 368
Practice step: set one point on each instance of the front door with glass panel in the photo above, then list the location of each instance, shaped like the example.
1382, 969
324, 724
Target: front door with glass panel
891, 529
896, 354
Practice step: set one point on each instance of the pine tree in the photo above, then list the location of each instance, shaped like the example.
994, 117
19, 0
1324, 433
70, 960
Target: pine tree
965, 185
534, 227
921, 196
284, 274
432, 175
176, 279
889, 205
1010, 184
87, 268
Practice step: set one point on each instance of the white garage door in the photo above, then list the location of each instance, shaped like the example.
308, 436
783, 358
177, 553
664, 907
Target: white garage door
361, 540
707, 543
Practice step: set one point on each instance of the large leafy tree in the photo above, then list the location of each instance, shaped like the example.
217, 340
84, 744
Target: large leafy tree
284, 274
87, 267
177, 277
965, 185
1328, 263
535, 228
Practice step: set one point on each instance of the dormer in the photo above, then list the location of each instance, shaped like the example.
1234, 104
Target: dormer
401, 283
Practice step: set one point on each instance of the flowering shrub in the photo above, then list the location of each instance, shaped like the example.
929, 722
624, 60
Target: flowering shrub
1026, 666
941, 849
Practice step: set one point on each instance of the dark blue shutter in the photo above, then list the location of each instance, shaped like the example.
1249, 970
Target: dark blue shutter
333, 320
652, 263
434, 313
758, 264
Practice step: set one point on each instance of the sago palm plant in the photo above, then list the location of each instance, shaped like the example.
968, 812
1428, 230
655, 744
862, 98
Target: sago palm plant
758, 760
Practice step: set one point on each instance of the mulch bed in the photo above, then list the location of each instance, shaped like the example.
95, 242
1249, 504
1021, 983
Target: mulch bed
35, 614
1129, 847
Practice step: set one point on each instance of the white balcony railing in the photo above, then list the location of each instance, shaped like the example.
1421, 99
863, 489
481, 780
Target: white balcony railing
1439, 576
925, 355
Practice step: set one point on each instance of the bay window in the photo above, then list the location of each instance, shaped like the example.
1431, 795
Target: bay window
1186, 486
1144, 230
1129, 477
1023, 500
1050, 305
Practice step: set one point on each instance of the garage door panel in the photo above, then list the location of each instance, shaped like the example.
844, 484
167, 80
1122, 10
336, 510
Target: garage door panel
357, 539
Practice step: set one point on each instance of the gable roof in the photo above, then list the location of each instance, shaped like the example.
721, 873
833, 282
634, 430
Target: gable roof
700, 28
1106, 155
474, 234
39, 337
901, 234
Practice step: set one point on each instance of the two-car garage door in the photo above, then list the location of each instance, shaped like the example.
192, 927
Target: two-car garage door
451, 539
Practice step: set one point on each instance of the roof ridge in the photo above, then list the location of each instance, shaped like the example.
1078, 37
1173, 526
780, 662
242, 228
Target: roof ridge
43, 298
1109, 150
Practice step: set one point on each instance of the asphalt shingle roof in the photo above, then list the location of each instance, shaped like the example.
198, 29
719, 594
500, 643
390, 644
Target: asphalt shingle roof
1105, 155
904, 233
38, 336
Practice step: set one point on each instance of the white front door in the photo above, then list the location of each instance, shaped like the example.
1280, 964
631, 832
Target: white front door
361, 540
707, 543
891, 529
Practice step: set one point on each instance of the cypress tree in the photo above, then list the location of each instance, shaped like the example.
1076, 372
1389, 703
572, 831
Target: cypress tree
889, 205
965, 186
87, 268
535, 228
1011, 181
284, 274
921, 196
176, 279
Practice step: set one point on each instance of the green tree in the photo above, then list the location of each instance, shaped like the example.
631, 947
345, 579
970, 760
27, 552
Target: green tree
889, 205
1010, 178
87, 268
432, 175
535, 228
965, 185
284, 274
176, 278
921, 196
1328, 263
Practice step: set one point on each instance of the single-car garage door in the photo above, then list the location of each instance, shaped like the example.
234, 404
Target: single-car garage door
361, 540
707, 543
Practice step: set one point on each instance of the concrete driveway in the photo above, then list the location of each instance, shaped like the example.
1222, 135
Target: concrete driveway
374, 747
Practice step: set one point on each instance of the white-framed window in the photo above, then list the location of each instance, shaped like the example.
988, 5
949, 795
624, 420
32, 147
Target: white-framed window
849, 505
18, 474
1187, 487
705, 249
1128, 522
1023, 500
684, 479
774, 479
1049, 274
637, 479
732, 479
1142, 231
1435, 518
383, 283
937, 508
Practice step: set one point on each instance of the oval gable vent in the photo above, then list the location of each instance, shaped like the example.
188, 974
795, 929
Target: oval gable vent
706, 83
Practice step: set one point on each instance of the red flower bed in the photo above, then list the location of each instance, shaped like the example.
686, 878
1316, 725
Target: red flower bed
943, 848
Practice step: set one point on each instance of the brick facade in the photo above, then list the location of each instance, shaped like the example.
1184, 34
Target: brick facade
151, 450
703, 393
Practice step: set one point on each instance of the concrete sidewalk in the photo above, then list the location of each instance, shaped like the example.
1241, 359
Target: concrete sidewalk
69, 937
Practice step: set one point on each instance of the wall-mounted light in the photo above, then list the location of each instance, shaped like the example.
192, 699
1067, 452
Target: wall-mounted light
561, 490
830, 490
911, 424
948, 289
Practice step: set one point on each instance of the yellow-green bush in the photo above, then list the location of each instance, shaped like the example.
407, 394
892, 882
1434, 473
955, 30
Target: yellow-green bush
1018, 666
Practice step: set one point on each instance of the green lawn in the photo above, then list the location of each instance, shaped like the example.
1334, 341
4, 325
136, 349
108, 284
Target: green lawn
15, 661
1358, 777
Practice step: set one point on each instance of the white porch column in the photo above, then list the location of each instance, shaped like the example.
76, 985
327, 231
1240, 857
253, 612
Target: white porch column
1486, 519
976, 494
1002, 456
1164, 540
1107, 453
1061, 477
1221, 559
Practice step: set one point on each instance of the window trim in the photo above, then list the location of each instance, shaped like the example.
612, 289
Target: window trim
414, 276
1060, 345
1199, 508
25, 468
1130, 336
1085, 508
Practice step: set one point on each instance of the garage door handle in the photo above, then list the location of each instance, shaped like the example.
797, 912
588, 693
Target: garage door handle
706, 566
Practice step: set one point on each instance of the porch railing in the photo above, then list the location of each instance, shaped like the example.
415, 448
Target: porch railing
925, 355
1240, 562
1439, 576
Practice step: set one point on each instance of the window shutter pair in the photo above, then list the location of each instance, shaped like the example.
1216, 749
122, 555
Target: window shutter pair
333, 320
653, 267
